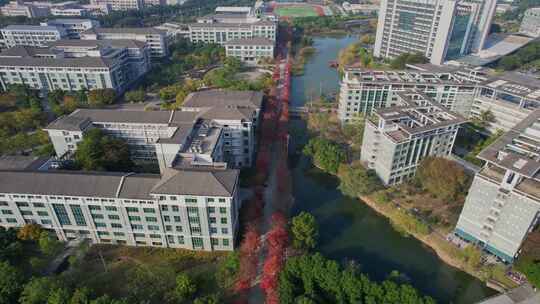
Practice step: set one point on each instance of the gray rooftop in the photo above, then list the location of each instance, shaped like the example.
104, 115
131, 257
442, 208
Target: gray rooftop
523, 294
212, 98
21, 162
69, 123
114, 43
17, 27
25, 51
126, 116
80, 62
199, 182
217, 182
125, 30
250, 41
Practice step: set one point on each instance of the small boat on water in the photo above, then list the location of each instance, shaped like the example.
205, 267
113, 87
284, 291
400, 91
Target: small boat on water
333, 64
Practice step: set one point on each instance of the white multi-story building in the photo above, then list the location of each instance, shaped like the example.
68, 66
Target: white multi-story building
530, 25
398, 138
156, 39
363, 90
73, 65
250, 51
172, 138
120, 5
26, 9
237, 112
73, 27
438, 29
154, 2
245, 27
503, 204
190, 209
31, 35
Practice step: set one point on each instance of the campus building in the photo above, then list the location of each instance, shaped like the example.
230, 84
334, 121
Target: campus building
250, 51
190, 209
363, 90
237, 112
31, 35
120, 5
397, 138
503, 204
156, 39
215, 128
73, 27
530, 25
26, 9
73, 65
438, 29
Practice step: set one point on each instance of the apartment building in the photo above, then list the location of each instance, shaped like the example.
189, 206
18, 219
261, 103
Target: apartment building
31, 35
156, 39
503, 203
397, 138
189, 209
73, 27
73, 65
237, 112
439, 29
363, 90
120, 5
154, 2
26, 9
250, 51
530, 25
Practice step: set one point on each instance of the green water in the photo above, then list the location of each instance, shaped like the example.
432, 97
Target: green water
349, 229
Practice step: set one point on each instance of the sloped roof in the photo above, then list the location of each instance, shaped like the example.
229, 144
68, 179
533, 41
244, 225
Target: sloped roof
199, 182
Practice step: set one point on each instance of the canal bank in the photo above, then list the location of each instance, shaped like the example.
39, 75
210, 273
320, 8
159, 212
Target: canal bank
351, 230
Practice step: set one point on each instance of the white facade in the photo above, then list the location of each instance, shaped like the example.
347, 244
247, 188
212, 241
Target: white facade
530, 25
400, 137
503, 204
250, 51
156, 39
120, 5
127, 209
73, 27
20, 8
31, 35
437, 29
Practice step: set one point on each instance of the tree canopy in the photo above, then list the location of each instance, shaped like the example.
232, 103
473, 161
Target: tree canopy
305, 231
101, 152
355, 180
402, 60
442, 178
315, 279
326, 155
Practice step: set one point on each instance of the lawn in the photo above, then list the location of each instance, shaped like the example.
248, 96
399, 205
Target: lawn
296, 11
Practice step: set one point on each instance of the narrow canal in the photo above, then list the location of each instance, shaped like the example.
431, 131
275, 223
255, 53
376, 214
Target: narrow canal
350, 230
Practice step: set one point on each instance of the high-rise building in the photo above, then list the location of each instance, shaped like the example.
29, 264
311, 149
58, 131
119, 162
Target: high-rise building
120, 5
397, 138
503, 204
530, 25
438, 29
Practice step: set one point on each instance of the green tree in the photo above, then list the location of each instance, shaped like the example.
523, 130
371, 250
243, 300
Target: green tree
100, 97
325, 154
11, 283
211, 299
305, 231
108, 300
402, 60
59, 296
98, 151
442, 178
81, 296
354, 131
531, 269
185, 287
30, 232
355, 180
37, 290
48, 244
10, 247
228, 270
135, 96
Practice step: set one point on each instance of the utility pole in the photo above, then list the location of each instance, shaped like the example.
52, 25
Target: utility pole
102, 260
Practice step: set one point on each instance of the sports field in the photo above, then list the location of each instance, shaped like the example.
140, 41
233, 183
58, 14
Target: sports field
296, 11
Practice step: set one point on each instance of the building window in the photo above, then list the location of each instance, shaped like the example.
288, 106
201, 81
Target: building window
177, 219
153, 227
224, 220
225, 242
211, 209
175, 208
214, 241
26, 212
191, 200
151, 219
78, 215
61, 213
212, 220
94, 207
213, 230
222, 210
224, 230
180, 239
166, 218
116, 225
110, 208
179, 229
98, 224
197, 242
43, 213
134, 218
164, 208
132, 209
136, 227
149, 210
113, 216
